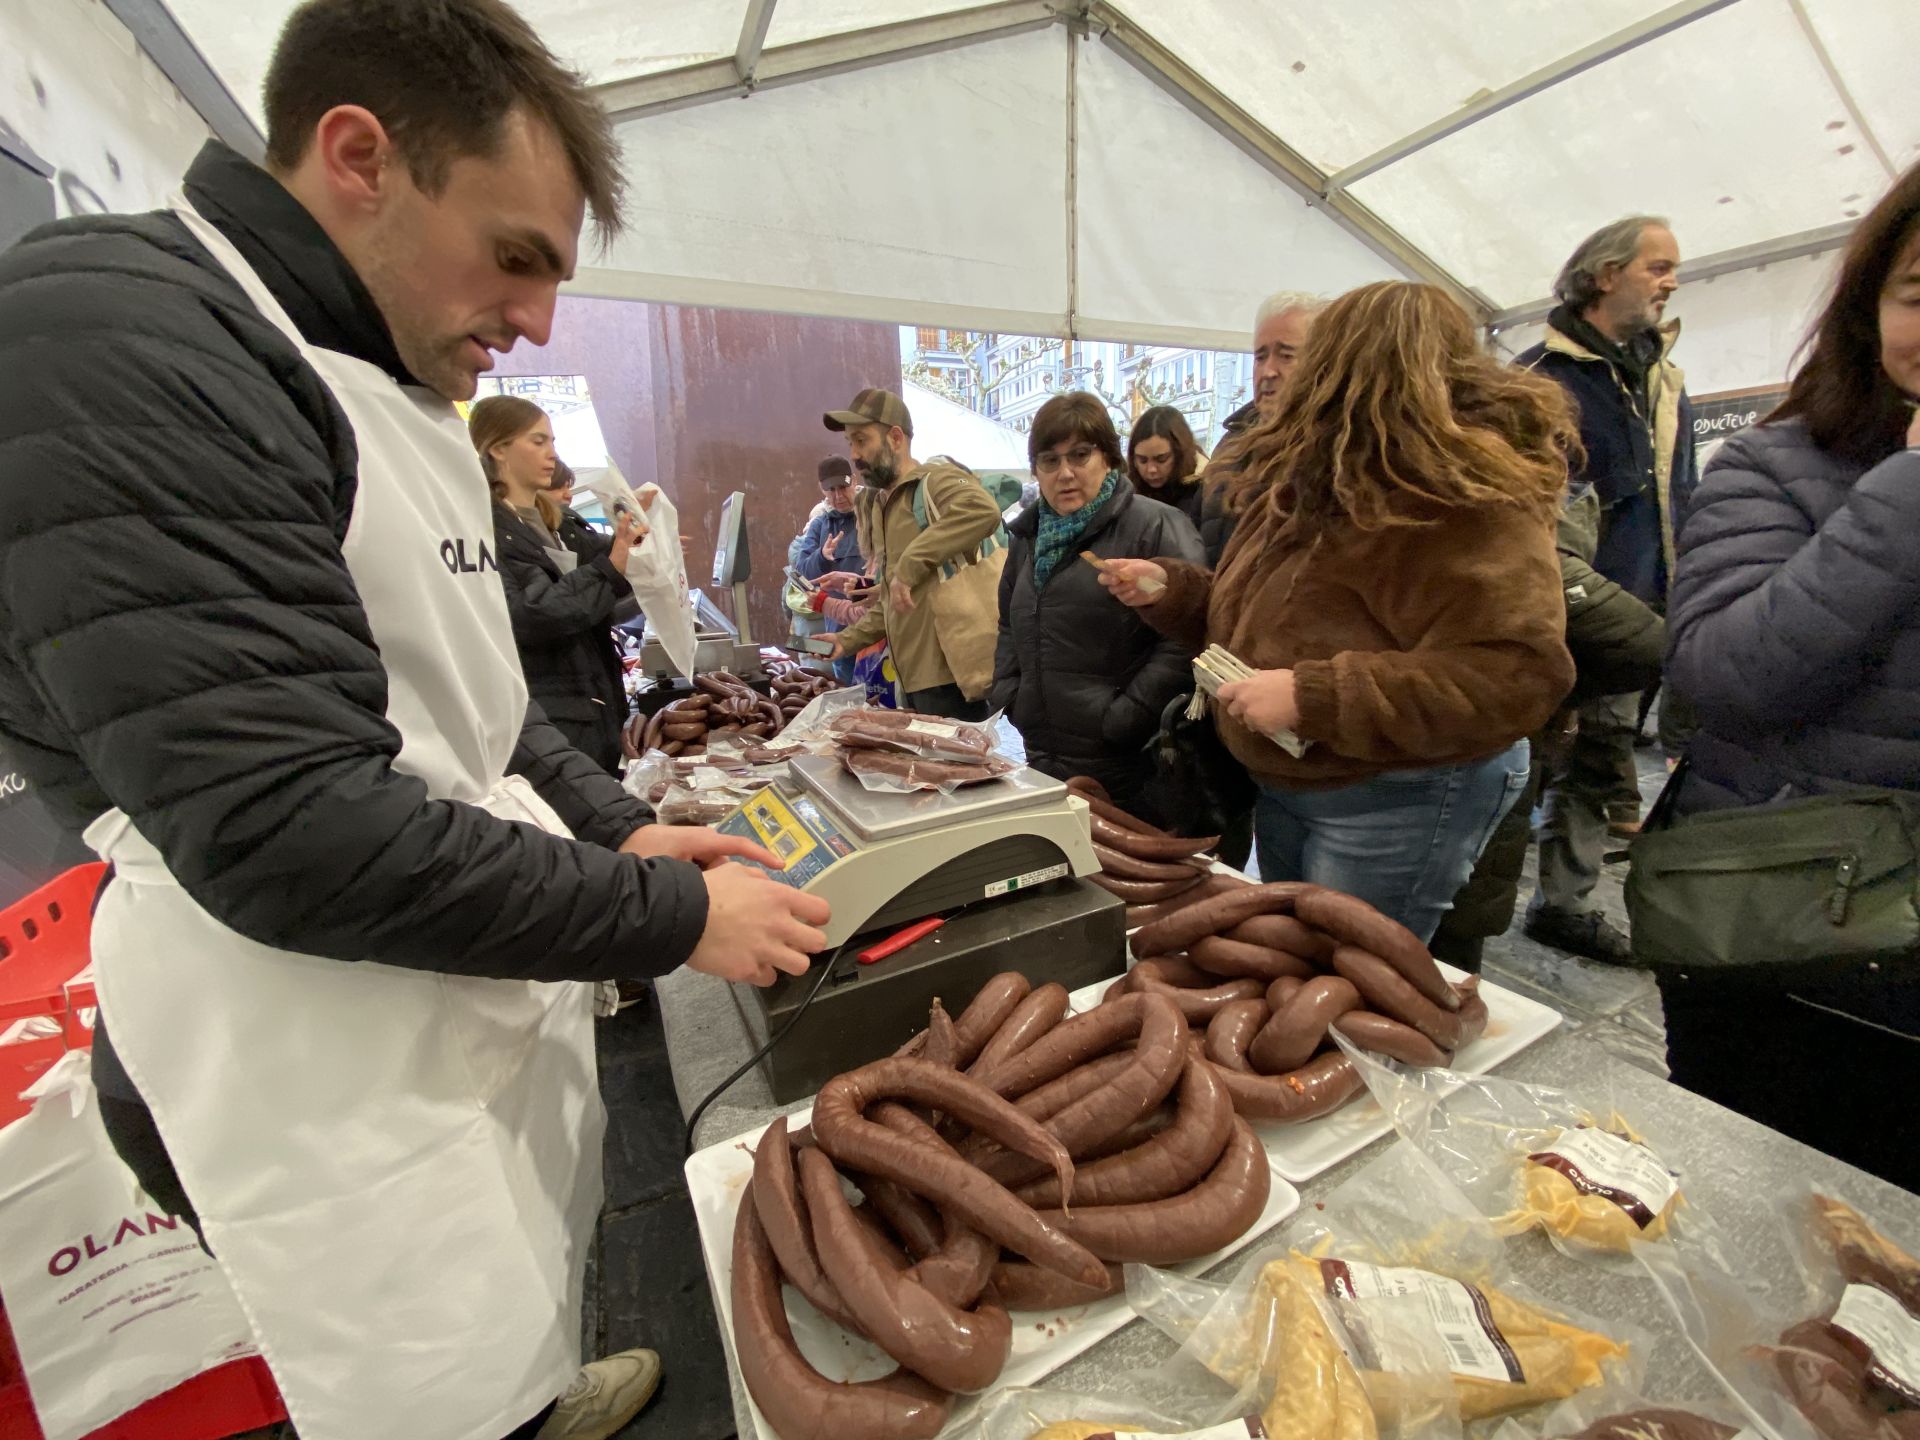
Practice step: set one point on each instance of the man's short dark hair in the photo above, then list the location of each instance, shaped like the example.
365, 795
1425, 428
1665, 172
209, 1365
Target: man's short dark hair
1076, 416
442, 76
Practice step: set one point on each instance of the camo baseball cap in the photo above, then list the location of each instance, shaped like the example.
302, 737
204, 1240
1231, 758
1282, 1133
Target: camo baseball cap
871, 407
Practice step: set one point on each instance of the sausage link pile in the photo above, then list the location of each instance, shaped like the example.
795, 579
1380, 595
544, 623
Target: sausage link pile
1267, 973
1012, 1159
1141, 863
795, 687
722, 704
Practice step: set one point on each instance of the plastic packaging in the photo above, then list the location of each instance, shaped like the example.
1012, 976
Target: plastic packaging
1387, 1312
1611, 1413
1597, 1182
904, 774
1836, 1357
906, 733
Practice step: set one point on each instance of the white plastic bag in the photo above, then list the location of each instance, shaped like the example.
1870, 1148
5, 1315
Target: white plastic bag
1597, 1181
111, 1302
655, 567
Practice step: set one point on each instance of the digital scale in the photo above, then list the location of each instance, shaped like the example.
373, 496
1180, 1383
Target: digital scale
1001, 861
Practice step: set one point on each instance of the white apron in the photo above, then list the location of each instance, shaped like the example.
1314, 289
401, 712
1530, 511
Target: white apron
399, 1171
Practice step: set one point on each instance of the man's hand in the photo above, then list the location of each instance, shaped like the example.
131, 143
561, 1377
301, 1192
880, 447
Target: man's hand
697, 845
1265, 701
832, 547
900, 598
756, 927
840, 651
1123, 577
839, 581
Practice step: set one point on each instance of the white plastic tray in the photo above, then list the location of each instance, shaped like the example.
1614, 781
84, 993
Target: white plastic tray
1043, 1340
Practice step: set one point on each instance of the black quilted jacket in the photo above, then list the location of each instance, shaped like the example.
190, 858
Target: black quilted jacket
182, 639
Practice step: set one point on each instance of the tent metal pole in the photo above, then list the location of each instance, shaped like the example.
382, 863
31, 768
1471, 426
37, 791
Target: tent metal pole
169, 46
1854, 112
753, 37
1609, 47
1073, 188
817, 59
1724, 262
1180, 80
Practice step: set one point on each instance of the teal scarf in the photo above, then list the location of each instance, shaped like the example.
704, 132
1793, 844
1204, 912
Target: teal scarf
1061, 533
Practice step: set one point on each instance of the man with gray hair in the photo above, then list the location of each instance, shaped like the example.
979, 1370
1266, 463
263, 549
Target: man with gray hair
1606, 343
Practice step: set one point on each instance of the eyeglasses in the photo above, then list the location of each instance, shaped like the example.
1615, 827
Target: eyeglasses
1050, 463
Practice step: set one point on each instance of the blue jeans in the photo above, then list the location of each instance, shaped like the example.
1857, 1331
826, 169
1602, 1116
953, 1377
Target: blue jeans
1404, 841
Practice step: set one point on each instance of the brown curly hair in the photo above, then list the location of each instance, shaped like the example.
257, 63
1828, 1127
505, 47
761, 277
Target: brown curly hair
1394, 412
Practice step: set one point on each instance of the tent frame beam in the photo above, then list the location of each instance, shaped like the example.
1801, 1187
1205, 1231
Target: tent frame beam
1180, 80
1724, 262
1608, 47
753, 39
817, 59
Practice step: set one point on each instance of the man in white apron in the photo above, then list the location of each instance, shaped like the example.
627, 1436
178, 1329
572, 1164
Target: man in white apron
256, 643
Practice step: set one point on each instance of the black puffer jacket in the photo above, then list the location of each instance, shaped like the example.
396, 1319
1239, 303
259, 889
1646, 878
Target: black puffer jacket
1083, 678
182, 638
1187, 497
562, 625
1795, 621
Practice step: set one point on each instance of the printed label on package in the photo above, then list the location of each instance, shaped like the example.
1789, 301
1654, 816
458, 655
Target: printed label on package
1891, 1335
1459, 1311
934, 728
708, 777
1598, 1162
1247, 1428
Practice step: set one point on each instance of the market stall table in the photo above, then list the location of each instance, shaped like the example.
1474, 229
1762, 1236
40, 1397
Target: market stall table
1735, 1170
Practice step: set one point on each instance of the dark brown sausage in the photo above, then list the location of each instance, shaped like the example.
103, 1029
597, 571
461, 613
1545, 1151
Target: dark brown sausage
1127, 867
1069, 1045
1385, 1036
1299, 1028
1393, 995
1196, 1005
1238, 958
1215, 884
1354, 922
1164, 1165
1032, 1018
987, 1012
1216, 1212
1473, 1012
776, 1195
841, 1128
1027, 1287
1089, 788
1158, 1058
1048, 1100
1283, 932
798, 1401
1216, 915
912, 1219
957, 1270
1146, 892
1232, 1031
1323, 1084
953, 1348
941, 1043
1175, 970
1142, 846
1156, 1121
1283, 990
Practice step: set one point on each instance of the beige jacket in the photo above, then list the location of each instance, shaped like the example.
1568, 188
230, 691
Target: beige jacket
891, 535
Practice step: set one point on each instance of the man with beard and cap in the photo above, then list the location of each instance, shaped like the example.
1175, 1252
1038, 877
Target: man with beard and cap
919, 523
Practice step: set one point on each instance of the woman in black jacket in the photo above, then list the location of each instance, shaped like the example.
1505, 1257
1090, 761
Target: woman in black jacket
1082, 676
566, 583
1795, 629
1164, 462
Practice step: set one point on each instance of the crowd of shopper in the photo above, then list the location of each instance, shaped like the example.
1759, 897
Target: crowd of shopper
359, 779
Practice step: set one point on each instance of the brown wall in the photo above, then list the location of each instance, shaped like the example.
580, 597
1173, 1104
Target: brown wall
705, 402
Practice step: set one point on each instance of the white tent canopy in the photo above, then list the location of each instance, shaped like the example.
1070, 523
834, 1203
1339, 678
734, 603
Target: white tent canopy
1144, 169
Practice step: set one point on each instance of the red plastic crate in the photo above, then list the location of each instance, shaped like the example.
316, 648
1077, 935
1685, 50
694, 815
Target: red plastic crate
43, 946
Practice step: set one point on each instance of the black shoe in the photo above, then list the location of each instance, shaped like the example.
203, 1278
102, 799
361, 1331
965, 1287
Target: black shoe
1592, 936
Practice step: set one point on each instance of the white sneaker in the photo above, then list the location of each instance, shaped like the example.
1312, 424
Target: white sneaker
604, 1396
